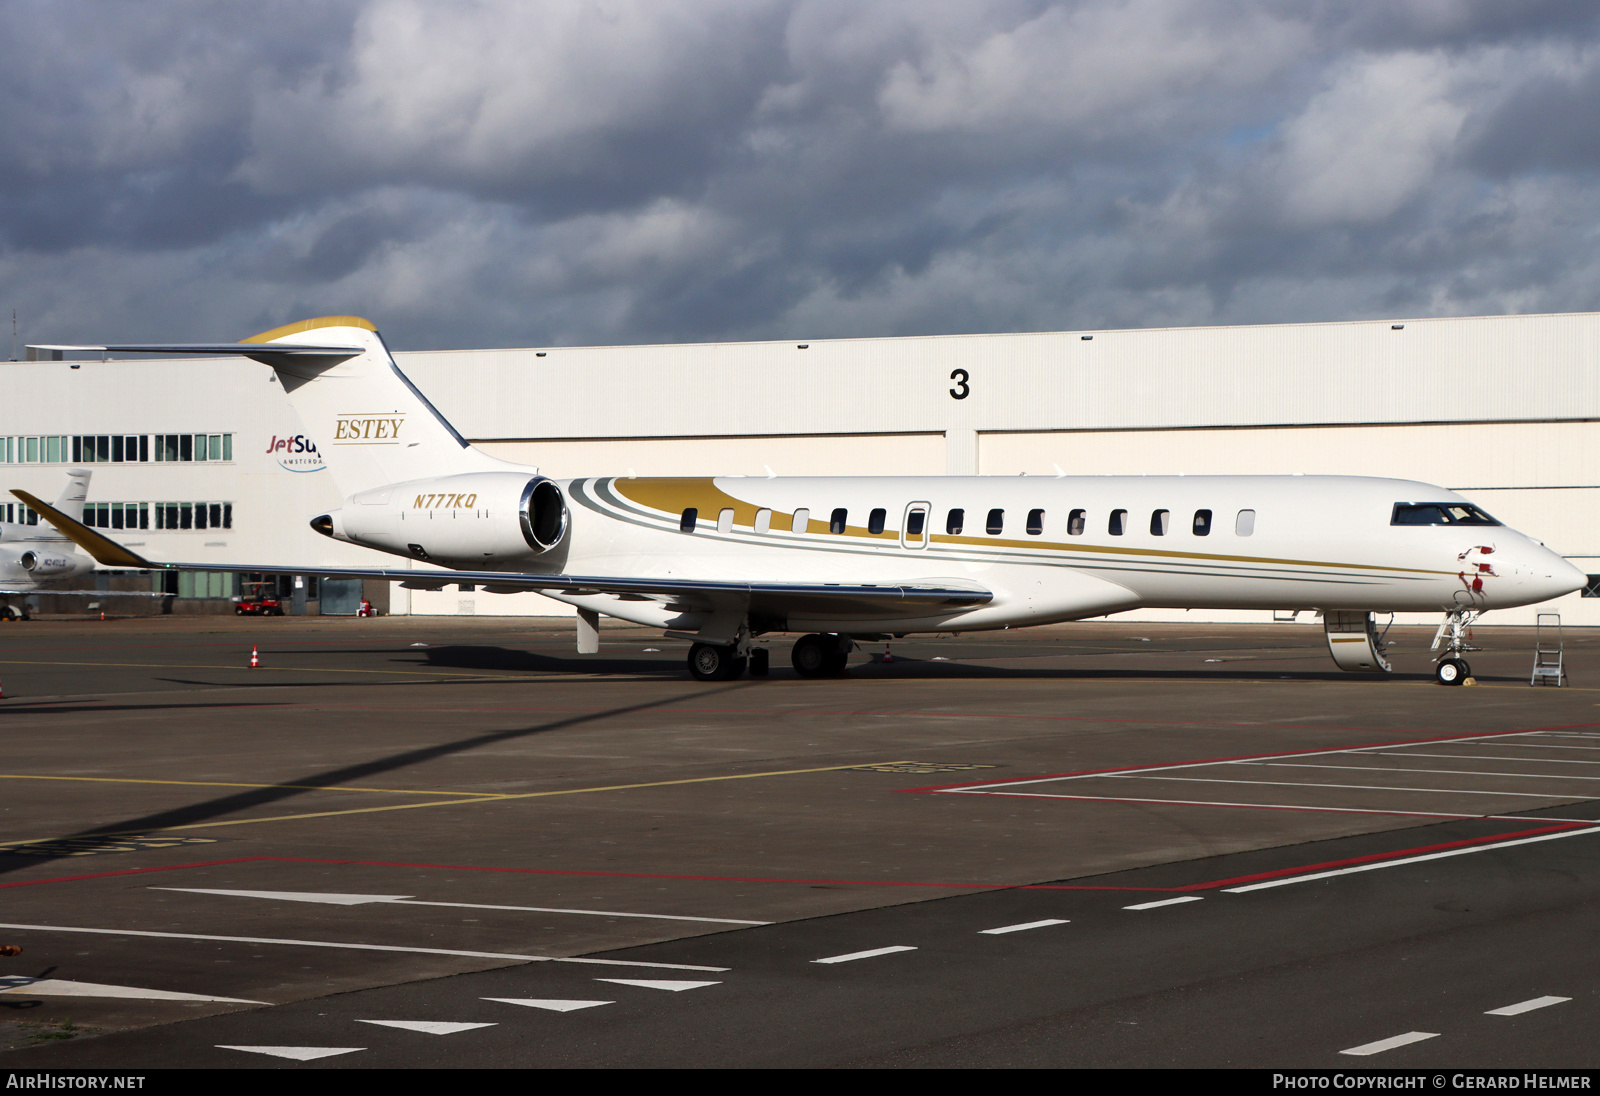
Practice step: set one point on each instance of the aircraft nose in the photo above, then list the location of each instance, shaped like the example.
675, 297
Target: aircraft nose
1548, 575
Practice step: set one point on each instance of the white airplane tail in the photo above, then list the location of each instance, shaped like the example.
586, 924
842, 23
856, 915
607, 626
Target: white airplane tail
370, 423
70, 501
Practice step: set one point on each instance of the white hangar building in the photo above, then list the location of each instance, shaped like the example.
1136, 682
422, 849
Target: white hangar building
203, 459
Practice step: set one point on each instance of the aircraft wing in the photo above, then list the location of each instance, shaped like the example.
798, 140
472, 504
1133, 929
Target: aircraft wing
82, 593
775, 598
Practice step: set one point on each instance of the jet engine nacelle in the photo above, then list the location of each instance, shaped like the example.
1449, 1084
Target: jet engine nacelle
480, 519
42, 565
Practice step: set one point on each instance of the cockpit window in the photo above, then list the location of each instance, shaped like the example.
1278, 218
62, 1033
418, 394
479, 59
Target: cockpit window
1439, 513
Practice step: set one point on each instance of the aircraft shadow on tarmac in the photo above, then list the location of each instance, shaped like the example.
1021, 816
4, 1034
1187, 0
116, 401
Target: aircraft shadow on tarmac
509, 658
222, 806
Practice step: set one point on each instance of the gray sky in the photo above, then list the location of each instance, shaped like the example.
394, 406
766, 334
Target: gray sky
622, 171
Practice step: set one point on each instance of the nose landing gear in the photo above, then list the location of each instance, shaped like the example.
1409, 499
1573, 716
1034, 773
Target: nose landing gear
1452, 639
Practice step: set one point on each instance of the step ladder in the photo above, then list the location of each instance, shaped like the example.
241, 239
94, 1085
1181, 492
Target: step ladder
1548, 652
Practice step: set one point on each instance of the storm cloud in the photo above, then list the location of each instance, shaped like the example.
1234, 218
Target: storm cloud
623, 171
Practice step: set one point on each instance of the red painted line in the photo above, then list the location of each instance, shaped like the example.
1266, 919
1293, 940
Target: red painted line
1240, 757
130, 871
1371, 858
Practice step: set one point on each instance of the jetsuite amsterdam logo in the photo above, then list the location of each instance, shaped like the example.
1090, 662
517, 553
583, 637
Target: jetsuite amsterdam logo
296, 454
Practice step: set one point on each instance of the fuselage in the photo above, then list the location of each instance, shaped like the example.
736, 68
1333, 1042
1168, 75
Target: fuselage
1065, 548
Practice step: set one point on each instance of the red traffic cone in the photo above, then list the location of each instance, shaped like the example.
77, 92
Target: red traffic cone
255, 659
102, 614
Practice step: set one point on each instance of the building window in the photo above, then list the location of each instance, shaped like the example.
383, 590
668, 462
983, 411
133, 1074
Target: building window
954, 522
1591, 586
686, 523
1245, 524
1202, 523
1118, 522
875, 520
1159, 520
1035, 522
1077, 521
996, 522
837, 522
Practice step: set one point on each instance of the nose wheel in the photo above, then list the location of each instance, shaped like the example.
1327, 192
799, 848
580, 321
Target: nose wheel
1452, 671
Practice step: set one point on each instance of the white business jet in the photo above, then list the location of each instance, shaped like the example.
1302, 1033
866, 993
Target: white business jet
720, 561
33, 555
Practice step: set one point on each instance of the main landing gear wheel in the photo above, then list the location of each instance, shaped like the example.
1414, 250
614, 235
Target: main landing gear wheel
710, 662
819, 655
1452, 671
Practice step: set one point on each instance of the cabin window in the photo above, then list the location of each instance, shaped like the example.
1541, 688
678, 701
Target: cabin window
1202, 523
1035, 522
1077, 521
763, 521
686, 523
875, 520
955, 521
801, 522
996, 522
1159, 520
1439, 513
1118, 522
837, 521
915, 522
1245, 524
725, 520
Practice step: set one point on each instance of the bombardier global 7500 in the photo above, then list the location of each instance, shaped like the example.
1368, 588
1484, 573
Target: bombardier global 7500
720, 561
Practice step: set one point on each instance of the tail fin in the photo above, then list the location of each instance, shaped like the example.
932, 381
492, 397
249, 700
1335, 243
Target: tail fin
370, 423
70, 501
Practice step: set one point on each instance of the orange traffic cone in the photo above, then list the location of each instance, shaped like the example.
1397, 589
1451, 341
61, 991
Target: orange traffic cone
888, 655
2, 692
102, 614
255, 659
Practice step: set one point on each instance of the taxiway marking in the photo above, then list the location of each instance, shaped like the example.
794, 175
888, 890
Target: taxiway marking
1576, 831
356, 947
299, 1054
656, 983
427, 1027
1024, 927
57, 987
548, 1004
1390, 1043
408, 900
1164, 902
854, 955
1526, 1006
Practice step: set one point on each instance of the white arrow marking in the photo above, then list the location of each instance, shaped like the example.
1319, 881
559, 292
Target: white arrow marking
297, 896
408, 900
56, 987
428, 1027
548, 1005
650, 983
299, 1054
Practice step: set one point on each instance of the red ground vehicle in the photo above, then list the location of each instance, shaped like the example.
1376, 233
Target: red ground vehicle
259, 599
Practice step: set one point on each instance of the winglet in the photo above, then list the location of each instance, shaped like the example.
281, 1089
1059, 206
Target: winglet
102, 548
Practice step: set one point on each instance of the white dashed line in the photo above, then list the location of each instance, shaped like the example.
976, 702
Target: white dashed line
1389, 1044
1164, 902
1003, 929
1526, 1006
854, 955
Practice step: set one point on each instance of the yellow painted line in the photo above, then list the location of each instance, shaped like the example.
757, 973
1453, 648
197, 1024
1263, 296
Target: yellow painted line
230, 784
293, 669
457, 802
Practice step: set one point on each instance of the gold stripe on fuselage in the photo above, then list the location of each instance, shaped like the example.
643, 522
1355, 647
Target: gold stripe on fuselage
671, 496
